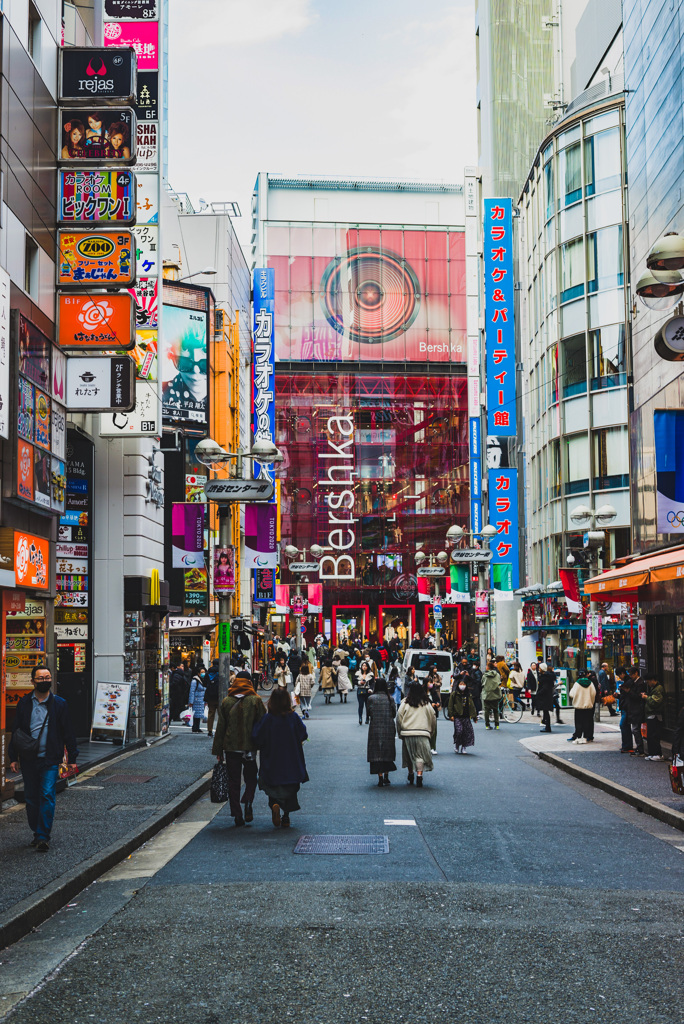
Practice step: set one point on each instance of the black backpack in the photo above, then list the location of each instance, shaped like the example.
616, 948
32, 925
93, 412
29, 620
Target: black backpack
211, 694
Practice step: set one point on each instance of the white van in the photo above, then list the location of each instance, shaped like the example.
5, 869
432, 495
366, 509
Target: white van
423, 661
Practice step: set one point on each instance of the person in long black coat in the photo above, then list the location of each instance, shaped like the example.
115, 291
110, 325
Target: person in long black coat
381, 749
544, 699
279, 736
178, 693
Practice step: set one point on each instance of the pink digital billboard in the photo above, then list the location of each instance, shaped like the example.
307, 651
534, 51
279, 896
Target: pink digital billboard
369, 294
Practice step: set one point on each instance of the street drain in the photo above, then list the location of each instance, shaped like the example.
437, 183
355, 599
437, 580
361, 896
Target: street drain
128, 778
342, 844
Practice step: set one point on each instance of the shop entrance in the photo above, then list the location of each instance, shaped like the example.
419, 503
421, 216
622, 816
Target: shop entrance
397, 620
346, 617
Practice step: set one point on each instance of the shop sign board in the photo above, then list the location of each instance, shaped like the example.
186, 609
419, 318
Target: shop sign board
264, 584
96, 321
102, 258
100, 383
143, 421
90, 196
147, 97
224, 637
263, 363
239, 490
499, 288
96, 74
143, 36
147, 248
147, 146
97, 135
110, 714
145, 297
4, 353
31, 561
224, 570
131, 10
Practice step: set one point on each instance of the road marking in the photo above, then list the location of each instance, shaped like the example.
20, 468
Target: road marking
400, 821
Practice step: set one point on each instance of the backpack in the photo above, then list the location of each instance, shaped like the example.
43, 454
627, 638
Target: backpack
383, 654
211, 693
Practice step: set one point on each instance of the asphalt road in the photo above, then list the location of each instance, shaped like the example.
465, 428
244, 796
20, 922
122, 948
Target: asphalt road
509, 891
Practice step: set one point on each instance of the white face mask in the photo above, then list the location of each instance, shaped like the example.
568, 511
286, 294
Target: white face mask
461, 687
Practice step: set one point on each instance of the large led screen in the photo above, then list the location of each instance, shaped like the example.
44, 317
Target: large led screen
184, 367
348, 294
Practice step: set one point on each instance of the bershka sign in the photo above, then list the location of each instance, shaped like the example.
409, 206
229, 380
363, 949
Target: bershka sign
339, 464
90, 73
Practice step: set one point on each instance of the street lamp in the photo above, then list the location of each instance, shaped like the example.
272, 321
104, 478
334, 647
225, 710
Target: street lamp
585, 516
456, 533
210, 453
293, 554
207, 272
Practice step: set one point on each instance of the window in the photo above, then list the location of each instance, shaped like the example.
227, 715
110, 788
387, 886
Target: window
572, 270
574, 366
611, 458
31, 268
570, 175
34, 30
555, 469
549, 193
602, 163
605, 267
553, 365
609, 360
550, 277
577, 464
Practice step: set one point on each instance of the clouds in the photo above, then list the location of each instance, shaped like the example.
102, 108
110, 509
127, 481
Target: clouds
307, 86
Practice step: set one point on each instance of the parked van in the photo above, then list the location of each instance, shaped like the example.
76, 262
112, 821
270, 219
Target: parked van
423, 661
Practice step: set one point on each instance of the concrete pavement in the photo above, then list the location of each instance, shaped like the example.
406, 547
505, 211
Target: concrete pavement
518, 892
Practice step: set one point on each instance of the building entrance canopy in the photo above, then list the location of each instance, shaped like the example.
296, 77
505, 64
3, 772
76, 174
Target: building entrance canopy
623, 583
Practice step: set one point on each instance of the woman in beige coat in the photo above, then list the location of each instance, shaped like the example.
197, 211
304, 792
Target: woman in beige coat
416, 722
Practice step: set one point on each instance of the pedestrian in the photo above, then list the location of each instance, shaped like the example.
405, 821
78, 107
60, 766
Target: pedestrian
343, 680
606, 683
635, 710
294, 662
532, 681
381, 750
394, 685
282, 674
198, 688
435, 698
178, 693
516, 681
410, 677
279, 735
583, 695
654, 702
303, 687
42, 730
211, 696
415, 725
238, 714
326, 680
474, 684
622, 688
365, 682
545, 696
462, 713
491, 694
503, 670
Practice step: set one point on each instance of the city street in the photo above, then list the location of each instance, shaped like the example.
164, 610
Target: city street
508, 889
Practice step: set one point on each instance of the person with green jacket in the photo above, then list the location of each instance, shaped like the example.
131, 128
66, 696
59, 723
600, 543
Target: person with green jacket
491, 693
462, 713
655, 702
237, 716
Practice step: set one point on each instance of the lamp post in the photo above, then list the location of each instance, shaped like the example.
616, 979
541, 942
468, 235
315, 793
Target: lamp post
210, 453
456, 533
585, 516
293, 553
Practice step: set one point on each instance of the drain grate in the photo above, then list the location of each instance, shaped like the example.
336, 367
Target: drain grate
342, 844
129, 778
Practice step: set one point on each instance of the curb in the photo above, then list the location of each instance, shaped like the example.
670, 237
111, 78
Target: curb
642, 803
62, 784
33, 911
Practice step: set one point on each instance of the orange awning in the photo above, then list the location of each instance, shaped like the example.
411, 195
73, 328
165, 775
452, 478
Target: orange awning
622, 584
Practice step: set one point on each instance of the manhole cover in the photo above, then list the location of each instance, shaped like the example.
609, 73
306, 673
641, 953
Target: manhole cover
129, 778
342, 844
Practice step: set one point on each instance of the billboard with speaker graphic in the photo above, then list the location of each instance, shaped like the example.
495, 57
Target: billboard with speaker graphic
368, 294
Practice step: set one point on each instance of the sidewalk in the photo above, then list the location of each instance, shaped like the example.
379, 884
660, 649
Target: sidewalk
108, 804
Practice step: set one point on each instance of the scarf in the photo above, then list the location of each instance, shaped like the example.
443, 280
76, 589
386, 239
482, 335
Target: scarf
241, 688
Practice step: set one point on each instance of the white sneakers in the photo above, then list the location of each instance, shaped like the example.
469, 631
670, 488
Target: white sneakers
580, 739
654, 757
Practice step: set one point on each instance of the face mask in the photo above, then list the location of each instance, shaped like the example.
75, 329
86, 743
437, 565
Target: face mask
43, 685
461, 687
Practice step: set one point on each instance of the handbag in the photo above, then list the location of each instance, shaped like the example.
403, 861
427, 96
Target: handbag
644, 730
25, 742
218, 790
676, 781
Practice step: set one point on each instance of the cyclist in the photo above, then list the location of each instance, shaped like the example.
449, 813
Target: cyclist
516, 681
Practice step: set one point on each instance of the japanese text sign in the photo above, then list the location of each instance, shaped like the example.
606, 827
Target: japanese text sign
31, 560
503, 514
141, 35
499, 318
264, 362
92, 196
105, 258
475, 475
96, 321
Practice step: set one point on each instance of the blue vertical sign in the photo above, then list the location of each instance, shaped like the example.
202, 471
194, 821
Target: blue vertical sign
475, 475
499, 321
263, 363
503, 514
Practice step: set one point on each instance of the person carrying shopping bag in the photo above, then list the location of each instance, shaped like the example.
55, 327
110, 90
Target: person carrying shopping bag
303, 687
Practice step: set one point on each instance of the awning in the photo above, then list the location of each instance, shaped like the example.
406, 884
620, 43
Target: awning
191, 623
622, 584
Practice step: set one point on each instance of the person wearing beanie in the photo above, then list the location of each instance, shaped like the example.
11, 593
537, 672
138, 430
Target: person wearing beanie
238, 714
583, 695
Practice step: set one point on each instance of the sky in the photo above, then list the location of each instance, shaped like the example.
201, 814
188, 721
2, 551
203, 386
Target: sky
368, 88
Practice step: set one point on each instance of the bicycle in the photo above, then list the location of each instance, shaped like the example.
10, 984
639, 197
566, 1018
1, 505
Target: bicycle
262, 681
508, 712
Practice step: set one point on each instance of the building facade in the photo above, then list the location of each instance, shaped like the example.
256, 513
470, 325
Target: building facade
371, 391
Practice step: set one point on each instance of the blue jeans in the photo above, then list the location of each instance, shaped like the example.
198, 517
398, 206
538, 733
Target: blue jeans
626, 732
40, 780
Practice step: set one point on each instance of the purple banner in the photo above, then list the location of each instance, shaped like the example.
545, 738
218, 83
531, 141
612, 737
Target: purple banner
187, 535
260, 536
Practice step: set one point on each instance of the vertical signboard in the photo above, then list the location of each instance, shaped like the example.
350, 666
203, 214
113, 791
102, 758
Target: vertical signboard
499, 309
472, 264
475, 475
4, 353
263, 394
503, 514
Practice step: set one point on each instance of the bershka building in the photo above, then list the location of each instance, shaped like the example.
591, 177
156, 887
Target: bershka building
371, 396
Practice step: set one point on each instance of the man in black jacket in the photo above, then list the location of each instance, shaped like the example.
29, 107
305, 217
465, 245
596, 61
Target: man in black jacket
45, 717
634, 705
545, 695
